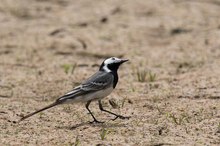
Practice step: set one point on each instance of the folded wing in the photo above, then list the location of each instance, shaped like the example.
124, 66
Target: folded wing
98, 81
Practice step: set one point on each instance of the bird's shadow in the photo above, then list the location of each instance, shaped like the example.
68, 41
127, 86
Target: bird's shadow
103, 125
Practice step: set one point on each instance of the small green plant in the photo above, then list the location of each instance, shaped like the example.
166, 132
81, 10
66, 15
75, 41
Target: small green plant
132, 88
178, 120
66, 67
67, 109
152, 76
123, 102
104, 133
218, 128
41, 115
141, 75
69, 68
175, 119
77, 142
114, 103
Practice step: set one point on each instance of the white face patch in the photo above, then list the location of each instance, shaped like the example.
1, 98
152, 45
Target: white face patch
106, 68
110, 61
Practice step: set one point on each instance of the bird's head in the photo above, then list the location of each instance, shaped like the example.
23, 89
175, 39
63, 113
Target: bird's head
111, 64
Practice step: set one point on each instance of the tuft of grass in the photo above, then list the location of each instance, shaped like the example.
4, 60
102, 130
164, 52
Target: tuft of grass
175, 119
218, 128
132, 88
178, 120
117, 104
77, 141
114, 103
67, 109
141, 75
41, 115
104, 132
152, 76
123, 102
66, 67
69, 68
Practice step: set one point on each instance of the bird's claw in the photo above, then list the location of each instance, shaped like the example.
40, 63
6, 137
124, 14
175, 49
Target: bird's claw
120, 117
96, 121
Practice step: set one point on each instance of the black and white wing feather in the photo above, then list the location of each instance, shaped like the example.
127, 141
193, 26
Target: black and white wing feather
99, 81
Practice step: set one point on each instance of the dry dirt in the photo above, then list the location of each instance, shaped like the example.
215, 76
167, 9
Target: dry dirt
49, 46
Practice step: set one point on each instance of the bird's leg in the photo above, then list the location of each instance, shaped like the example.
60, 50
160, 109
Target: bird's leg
117, 116
87, 107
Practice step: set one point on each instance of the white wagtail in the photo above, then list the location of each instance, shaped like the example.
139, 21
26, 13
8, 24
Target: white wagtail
98, 86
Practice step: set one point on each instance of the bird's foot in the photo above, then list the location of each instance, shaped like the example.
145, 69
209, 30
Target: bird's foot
96, 121
120, 117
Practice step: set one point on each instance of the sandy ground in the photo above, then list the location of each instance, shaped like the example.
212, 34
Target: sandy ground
49, 46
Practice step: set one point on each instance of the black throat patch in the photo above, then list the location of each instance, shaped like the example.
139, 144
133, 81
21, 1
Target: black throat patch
115, 74
114, 68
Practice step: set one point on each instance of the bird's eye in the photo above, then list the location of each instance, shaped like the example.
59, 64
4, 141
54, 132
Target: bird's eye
113, 58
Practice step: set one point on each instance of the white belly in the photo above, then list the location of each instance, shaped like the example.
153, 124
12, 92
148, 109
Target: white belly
92, 96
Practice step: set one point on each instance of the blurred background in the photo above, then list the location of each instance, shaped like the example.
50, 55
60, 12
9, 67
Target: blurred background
49, 46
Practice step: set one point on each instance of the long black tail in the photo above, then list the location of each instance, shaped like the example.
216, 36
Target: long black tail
31, 114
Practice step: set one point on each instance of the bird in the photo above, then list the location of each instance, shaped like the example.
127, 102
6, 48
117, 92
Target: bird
95, 88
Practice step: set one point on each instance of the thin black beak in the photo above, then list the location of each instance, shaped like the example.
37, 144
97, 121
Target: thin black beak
123, 60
